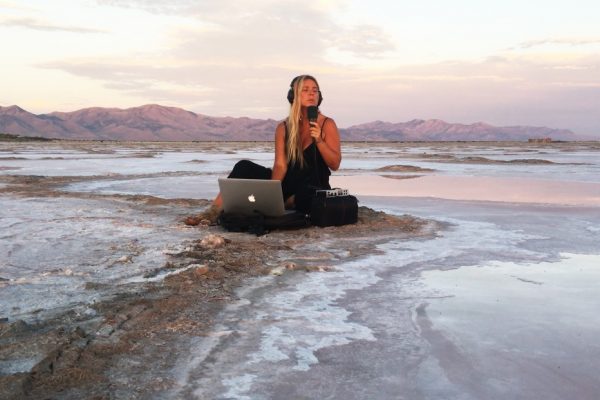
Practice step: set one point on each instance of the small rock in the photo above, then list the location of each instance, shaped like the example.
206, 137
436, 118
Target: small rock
212, 241
200, 270
90, 312
105, 331
192, 220
216, 273
291, 266
124, 259
319, 268
79, 333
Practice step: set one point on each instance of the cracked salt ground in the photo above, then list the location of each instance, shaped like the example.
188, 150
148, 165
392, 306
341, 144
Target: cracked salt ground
56, 247
170, 187
304, 316
378, 328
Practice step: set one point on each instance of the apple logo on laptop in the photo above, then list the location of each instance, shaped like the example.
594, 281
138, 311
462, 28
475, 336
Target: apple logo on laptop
251, 198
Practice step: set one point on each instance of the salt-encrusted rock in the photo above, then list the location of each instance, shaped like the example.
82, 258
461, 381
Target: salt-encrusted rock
320, 268
291, 266
105, 331
216, 273
177, 250
288, 266
124, 260
212, 241
199, 269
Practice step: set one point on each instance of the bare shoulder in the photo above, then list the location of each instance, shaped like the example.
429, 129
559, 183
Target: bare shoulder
281, 126
280, 130
328, 122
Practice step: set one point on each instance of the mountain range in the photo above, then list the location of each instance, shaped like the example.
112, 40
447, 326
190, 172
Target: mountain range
159, 123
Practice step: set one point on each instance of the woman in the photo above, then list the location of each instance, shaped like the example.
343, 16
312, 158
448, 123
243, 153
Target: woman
305, 151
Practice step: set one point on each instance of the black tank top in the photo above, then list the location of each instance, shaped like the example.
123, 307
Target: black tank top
314, 173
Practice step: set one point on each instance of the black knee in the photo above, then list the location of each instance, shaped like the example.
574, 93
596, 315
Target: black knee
246, 169
242, 166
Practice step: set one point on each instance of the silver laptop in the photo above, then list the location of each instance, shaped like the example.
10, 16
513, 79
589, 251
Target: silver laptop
245, 196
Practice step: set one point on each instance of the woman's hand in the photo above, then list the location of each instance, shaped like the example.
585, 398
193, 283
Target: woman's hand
327, 142
315, 132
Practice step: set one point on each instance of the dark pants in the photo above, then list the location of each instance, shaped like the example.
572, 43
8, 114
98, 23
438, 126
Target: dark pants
246, 169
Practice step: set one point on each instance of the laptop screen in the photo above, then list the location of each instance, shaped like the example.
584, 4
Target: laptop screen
247, 196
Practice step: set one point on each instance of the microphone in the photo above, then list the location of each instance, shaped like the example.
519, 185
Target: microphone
313, 113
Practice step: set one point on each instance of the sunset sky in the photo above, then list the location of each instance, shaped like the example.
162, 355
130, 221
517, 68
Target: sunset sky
505, 63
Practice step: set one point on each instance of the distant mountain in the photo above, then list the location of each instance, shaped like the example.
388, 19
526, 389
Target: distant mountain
149, 122
17, 121
159, 123
438, 130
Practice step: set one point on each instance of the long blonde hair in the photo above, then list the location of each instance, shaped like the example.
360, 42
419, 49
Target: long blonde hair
293, 144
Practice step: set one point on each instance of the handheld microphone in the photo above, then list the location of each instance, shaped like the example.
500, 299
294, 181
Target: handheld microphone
313, 113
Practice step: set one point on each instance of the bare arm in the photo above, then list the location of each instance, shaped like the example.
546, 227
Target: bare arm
280, 163
327, 141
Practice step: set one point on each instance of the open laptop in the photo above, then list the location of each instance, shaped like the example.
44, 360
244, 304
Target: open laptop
245, 196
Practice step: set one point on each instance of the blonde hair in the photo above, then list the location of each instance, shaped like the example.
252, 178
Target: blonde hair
293, 144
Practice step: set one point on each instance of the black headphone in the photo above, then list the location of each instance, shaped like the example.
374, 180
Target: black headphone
290, 95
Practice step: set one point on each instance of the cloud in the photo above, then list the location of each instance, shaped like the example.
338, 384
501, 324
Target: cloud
368, 41
215, 10
136, 75
209, 88
12, 6
31, 23
266, 29
552, 42
153, 6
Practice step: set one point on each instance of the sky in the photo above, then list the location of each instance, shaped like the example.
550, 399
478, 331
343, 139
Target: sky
504, 63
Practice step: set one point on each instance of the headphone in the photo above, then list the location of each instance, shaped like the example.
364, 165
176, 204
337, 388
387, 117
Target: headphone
290, 94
